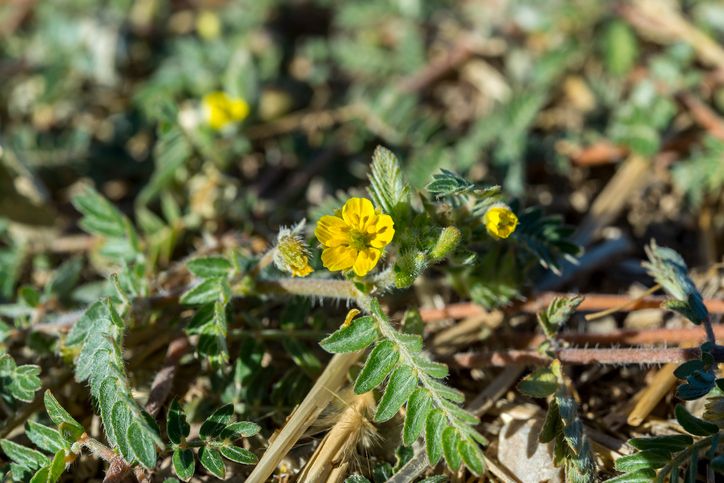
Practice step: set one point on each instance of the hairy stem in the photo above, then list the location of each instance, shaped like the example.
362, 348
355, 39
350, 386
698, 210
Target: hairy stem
334, 289
583, 356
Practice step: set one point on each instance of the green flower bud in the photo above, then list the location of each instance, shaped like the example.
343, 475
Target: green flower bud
447, 242
408, 267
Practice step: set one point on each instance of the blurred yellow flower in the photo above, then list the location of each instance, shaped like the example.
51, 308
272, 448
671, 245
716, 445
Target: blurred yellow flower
222, 109
208, 25
356, 239
500, 221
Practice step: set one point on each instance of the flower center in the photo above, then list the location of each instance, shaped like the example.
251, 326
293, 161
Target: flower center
359, 240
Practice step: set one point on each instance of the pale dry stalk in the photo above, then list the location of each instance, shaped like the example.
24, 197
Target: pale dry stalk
333, 457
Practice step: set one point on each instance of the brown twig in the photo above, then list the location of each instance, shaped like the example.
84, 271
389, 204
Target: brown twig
626, 336
439, 67
703, 115
592, 302
581, 356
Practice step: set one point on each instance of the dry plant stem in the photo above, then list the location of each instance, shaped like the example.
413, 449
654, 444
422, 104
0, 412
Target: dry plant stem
632, 302
660, 385
582, 357
662, 22
704, 115
440, 66
626, 336
334, 375
629, 178
339, 443
591, 302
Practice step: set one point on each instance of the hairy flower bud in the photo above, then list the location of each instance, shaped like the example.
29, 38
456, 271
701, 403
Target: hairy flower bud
291, 253
408, 267
446, 243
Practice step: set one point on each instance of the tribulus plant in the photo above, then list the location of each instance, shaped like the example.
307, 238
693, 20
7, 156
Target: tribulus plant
369, 247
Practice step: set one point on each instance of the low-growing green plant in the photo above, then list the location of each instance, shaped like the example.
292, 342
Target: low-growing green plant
379, 245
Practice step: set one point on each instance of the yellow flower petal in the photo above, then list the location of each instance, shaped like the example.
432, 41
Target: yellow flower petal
303, 270
350, 316
384, 231
332, 231
339, 258
366, 261
358, 213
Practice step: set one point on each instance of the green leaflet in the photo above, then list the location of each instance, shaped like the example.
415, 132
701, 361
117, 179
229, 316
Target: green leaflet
215, 424
472, 456
418, 408
671, 443
447, 392
239, 455
120, 419
540, 383
649, 458
639, 476
21, 381
69, 427
387, 186
399, 388
208, 291
450, 440
23, 456
692, 424
380, 362
211, 460
209, 267
176, 425
142, 445
52, 472
184, 464
241, 429
433, 435
46, 438
557, 313
552, 425
358, 335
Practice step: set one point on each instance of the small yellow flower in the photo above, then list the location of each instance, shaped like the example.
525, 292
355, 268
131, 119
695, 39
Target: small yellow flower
291, 253
500, 221
356, 239
350, 317
208, 25
222, 109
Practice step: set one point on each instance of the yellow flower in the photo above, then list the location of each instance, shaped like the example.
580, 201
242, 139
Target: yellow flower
356, 239
208, 25
222, 109
291, 254
500, 221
